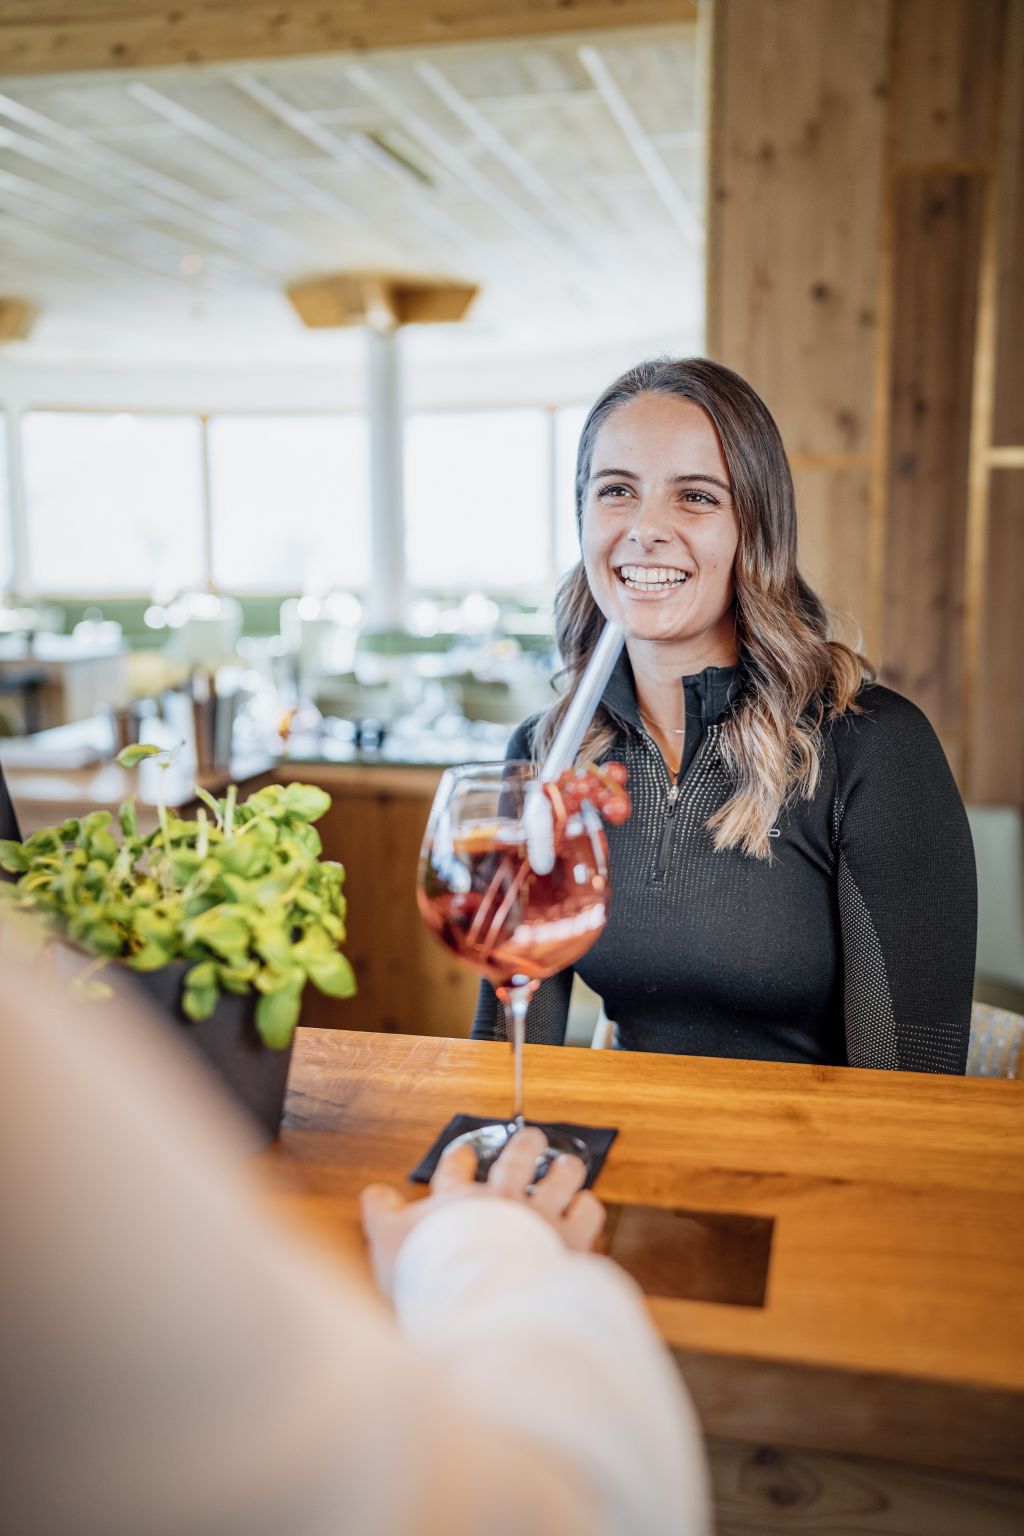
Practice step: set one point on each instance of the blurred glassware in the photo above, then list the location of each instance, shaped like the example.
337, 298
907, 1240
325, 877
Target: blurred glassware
97, 634
127, 722
215, 703
205, 628
322, 632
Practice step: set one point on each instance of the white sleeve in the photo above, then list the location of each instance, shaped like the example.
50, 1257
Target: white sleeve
557, 1349
175, 1362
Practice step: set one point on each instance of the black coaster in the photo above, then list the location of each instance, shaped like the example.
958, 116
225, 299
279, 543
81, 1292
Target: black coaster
596, 1138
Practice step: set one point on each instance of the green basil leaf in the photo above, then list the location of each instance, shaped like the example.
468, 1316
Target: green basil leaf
130, 756
198, 1003
306, 801
13, 857
102, 846
151, 957
332, 974
277, 1014
221, 929
241, 856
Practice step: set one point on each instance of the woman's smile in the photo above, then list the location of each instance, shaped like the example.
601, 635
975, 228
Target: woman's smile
652, 582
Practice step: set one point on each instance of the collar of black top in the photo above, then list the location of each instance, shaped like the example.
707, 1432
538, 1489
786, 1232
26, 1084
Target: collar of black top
708, 694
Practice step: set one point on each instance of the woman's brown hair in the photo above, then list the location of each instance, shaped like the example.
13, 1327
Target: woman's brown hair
795, 676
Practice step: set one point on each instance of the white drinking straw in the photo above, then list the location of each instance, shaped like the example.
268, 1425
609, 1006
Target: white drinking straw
537, 812
563, 750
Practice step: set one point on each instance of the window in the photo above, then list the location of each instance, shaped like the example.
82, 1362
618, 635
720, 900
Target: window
476, 500
568, 426
113, 502
289, 502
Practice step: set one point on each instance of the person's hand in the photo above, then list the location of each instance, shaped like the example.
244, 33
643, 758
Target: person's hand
576, 1214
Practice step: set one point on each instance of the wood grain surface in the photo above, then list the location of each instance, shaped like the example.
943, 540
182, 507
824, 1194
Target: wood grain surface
938, 229
997, 775
798, 117
760, 1489
943, 49
46, 35
1009, 381
865, 239
892, 1323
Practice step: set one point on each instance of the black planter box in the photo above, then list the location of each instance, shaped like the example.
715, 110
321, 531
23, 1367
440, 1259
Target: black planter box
228, 1043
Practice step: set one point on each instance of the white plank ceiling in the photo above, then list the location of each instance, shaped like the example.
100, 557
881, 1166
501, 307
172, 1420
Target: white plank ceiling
158, 217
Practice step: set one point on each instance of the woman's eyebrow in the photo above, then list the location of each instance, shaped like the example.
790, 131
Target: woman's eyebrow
629, 474
708, 479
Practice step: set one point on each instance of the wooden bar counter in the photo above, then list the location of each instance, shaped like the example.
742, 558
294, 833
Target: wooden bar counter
836, 1257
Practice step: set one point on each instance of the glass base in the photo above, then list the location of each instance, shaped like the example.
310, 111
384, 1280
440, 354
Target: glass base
489, 1141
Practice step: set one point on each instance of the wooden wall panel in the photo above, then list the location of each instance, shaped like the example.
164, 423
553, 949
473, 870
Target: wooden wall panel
833, 508
945, 58
937, 239
1009, 383
997, 746
798, 121
408, 983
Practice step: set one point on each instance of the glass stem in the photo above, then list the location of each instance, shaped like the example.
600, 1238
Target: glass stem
517, 1001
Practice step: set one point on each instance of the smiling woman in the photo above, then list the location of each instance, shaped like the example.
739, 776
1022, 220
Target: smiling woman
797, 879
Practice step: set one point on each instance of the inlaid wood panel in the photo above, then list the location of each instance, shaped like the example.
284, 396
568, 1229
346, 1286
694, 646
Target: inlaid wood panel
997, 719
798, 122
833, 509
937, 229
1009, 381
945, 58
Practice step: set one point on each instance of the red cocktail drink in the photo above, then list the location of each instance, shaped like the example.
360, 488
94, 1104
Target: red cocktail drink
491, 909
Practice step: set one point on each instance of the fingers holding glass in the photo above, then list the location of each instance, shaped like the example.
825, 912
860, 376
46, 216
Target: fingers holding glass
515, 1170
456, 1168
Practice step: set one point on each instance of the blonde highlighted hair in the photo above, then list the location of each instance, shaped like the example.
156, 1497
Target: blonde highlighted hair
795, 676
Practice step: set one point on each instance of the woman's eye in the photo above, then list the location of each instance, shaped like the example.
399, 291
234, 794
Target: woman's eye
700, 498
612, 492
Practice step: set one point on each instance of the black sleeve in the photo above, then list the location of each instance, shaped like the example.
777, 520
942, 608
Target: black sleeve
549, 1007
907, 892
8, 820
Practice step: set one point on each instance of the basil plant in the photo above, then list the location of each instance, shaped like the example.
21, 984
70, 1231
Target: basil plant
240, 892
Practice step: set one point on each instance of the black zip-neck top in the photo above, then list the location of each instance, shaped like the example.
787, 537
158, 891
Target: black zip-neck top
855, 944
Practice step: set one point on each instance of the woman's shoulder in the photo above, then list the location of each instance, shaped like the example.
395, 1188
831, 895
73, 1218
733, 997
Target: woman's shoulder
881, 724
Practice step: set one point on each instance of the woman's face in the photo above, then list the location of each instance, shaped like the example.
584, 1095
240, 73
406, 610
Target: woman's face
659, 526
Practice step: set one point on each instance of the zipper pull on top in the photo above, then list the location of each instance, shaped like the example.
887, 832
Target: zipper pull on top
673, 795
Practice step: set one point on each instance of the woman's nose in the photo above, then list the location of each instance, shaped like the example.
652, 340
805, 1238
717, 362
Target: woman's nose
649, 526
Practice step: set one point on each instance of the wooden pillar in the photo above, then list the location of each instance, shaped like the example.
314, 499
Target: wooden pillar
865, 273
798, 104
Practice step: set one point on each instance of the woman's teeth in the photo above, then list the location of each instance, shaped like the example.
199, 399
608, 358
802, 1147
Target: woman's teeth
657, 578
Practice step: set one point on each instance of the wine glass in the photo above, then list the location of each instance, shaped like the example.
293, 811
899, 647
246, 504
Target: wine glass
480, 894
